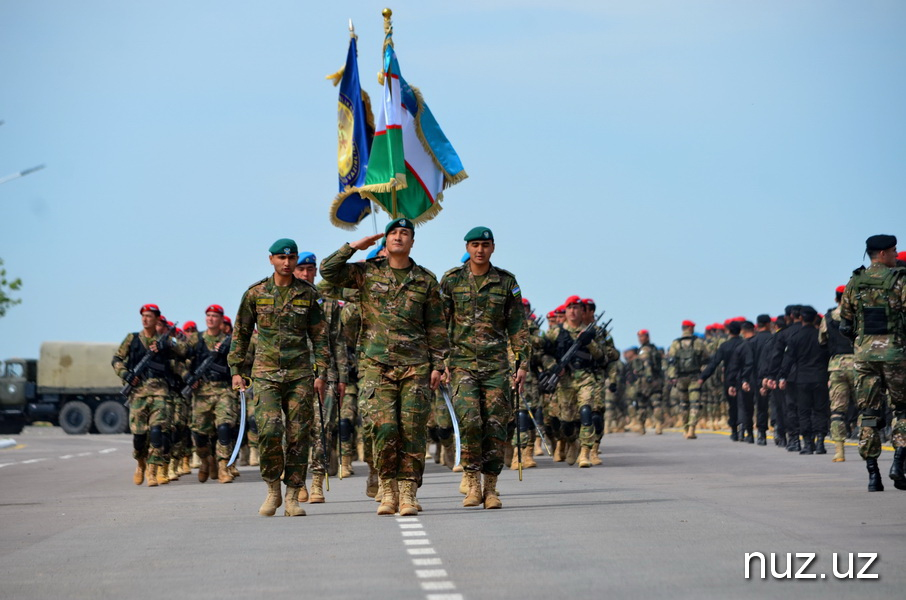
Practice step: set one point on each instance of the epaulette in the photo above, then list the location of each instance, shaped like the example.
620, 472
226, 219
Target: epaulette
428, 271
376, 259
257, 283
505, 272
451, 271
311, 285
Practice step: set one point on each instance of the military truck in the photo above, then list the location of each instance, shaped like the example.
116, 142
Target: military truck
71, 385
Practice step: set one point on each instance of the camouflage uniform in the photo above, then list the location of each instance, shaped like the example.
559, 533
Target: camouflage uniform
336, 373
530, 392
481, 320
841, 375
214, 412
650, 384
287, 318
874, 302
149, 413
402, 339
686, 358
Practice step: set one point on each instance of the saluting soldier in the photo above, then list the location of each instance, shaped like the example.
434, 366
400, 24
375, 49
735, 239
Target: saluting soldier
287, 313
403, 346
483, 309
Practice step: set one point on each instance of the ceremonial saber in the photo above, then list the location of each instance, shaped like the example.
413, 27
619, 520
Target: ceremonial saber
537, 426
22, 173
445, 392
241, 428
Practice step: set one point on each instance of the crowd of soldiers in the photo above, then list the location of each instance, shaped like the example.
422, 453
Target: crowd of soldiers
380, 361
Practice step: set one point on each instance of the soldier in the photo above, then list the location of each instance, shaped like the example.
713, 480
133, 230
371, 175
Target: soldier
788, 393
403, 345
483, 310
575, 394
287, 313
214, 412
650, 382
722, 356
841, 373
189, 327
323, 457
530, 442
177, 408
751, 375
686, 358
873, 314
148, 408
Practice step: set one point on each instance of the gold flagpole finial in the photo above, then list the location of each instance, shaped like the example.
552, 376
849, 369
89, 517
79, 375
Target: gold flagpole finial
388, 24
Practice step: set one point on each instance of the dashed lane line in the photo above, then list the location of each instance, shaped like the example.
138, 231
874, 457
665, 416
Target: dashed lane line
419, 547
32, 461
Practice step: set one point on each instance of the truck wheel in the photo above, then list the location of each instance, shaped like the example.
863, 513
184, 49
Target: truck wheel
13, 425
75, 417
110, 417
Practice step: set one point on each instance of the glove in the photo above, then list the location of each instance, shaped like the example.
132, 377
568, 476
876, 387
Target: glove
846, 328
585, 337
612, 387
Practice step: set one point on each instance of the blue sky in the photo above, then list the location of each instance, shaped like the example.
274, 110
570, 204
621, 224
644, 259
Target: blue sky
672, 160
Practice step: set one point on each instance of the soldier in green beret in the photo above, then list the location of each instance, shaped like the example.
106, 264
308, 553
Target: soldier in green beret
287, 313
483, 309
403, 345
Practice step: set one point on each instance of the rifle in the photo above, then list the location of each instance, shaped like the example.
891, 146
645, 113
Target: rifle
206, 366
547, 381
139, 369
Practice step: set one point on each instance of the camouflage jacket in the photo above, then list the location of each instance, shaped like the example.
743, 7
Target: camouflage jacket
482, 320
652, 364
402, 323
686, 357
153, 383
592, 350
336, 347
284, 330
205, 386
881, 337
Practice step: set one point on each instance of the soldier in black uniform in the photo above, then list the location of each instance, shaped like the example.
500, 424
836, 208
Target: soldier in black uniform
723, 354
790, 410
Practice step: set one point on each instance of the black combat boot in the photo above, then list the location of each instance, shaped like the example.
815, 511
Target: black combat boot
819, 445
808, 445
793, 445
734, 437
874, 475
780, 439
898, 469
762, 438
750, 439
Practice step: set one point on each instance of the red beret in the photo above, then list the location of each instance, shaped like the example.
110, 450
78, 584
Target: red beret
709, 327
773, 319
727, 322
525, 302
739, 319
214, 308
841, 289
902, 255
189, 325
560, 309
588, 301
149, 308
688, 323
162, 318
551, 315
226, 319
642, 332
572, 300
169, 323
719, 326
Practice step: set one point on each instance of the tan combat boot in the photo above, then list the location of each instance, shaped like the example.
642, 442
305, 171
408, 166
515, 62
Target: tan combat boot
838, 452
234, 470
514, 464
253, 457
195, 462
584, 458
204, 470
184, 468
223, 472
379, 495
316, 496
360, 447
464, 484
302, 496
491, 499
151, 475
448, 453
244, 456
371, 484
558, 451
539, 447
273, 500
408, 503
162, 478
593, 455
346, 466
390, 500
473, 492
138, 477
292, 508
528, 461
173, 470
572, 452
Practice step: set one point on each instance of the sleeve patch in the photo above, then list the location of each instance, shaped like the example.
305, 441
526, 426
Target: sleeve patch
516, 291
302, 302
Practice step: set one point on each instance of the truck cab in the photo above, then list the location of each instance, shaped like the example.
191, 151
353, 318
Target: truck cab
18, 386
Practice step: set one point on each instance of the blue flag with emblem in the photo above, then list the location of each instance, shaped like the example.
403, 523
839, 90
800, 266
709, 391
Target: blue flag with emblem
355, 130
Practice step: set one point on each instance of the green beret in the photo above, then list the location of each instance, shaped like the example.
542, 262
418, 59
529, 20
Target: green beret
479, 234
404, 222
284, 246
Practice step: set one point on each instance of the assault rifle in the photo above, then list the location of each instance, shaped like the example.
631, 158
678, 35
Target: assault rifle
206, 366
548, 381
139, 369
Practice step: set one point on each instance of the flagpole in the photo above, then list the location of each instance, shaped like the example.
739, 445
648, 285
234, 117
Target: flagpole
388, 41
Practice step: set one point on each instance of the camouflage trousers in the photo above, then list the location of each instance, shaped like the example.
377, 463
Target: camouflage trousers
284, 408
688, 394
251, 426
577, 389
841, 385
483, 408
330, 409
145, 413
397, 400
349, 412
215, 405
872, 379
531, 397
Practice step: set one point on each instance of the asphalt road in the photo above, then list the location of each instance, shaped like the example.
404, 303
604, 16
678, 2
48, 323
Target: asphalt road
664, 517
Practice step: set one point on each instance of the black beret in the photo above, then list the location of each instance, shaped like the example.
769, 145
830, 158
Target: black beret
880, 242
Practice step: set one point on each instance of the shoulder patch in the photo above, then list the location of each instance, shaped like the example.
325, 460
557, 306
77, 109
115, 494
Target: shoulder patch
516, 291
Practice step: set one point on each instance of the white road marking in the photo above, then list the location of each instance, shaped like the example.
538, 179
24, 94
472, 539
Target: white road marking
444, 597
106, 450
424, 542
419, 551
67, 456
437, 586
84, 454
5, 465
429, 573
415, 533
410, 525
426, 562
32, 461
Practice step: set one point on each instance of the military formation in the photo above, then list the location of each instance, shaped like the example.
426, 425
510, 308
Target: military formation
383, 363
